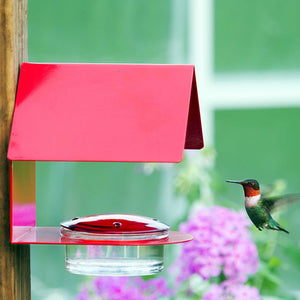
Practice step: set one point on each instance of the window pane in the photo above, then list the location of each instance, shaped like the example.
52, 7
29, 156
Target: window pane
256, 35
99, 31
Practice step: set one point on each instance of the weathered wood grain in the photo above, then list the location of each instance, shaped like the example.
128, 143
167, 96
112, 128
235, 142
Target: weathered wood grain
14, 259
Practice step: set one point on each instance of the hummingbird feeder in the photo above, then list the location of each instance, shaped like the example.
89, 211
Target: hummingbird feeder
92, 113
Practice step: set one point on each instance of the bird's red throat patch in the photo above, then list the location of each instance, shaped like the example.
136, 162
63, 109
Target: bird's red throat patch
250, 192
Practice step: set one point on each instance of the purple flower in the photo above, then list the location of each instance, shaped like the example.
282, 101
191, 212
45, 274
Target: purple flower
244, 292
215, 292
123, 288
221, 243
24, 214
155, 286
231, 291
83, 295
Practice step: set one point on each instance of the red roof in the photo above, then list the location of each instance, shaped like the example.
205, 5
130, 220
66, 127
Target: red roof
105, 112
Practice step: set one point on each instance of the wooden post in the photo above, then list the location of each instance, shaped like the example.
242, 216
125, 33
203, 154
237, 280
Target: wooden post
14, 259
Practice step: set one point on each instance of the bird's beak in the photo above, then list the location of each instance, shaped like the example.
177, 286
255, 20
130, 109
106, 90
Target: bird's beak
233, 181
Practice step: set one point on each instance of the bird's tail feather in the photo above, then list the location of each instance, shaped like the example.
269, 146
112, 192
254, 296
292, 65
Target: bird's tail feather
275, 226
282, 229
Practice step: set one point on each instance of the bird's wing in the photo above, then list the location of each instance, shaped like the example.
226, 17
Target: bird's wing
271, 190
273, 202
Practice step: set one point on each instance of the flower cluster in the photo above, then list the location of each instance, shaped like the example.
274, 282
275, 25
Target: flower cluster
221, 245
118, 288
237, 291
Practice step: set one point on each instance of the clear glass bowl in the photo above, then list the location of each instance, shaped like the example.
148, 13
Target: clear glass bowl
114, 260
110, 260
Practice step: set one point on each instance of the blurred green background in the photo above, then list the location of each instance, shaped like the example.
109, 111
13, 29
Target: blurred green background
256, 35
248, 36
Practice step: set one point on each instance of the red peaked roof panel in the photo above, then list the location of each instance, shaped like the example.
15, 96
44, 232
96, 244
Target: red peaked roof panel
105, 112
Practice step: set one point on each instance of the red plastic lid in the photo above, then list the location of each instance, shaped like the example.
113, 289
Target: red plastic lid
114, 227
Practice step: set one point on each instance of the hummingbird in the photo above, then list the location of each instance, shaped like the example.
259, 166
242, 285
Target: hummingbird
259, 208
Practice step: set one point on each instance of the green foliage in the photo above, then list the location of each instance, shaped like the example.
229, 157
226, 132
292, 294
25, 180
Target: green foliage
194, 177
